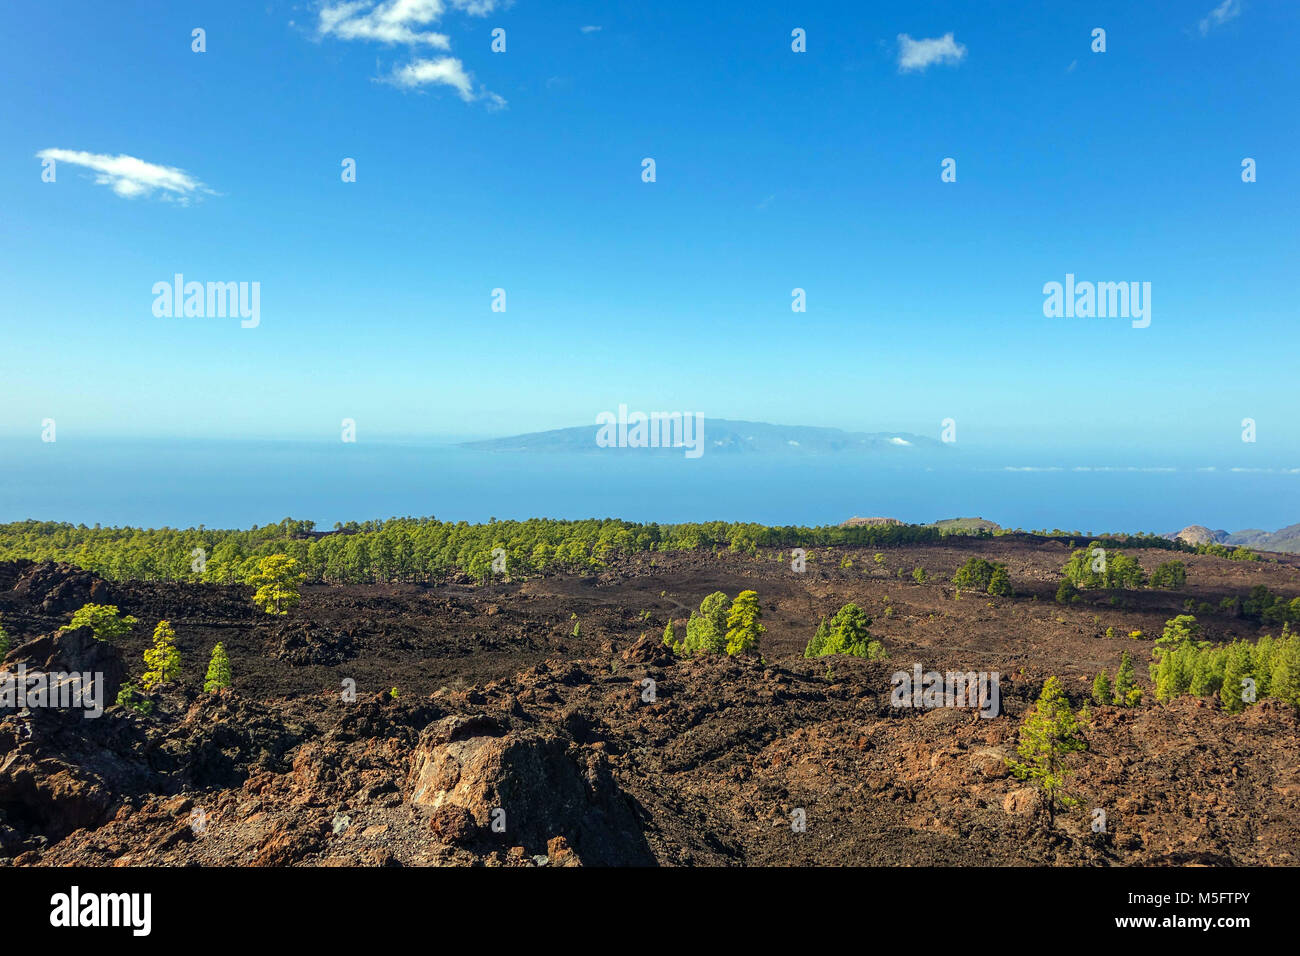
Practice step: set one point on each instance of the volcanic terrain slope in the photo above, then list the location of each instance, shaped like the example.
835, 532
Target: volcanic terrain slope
486, 729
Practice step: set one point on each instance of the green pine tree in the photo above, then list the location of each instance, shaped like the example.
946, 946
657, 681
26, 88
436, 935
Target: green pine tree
1236, 668
743, 627
1000, 582
706, 632
818, 640
219, 675
163, 660
1125, 682
1048, 735
276, 578
670, 639
1101, 689
104, 619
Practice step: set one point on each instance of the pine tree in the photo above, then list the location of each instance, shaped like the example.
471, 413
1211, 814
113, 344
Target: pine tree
1101, 689
670, 639
706, 632
1048, 735
219, 675
743, 627
163, 660
818, 640
1237, 667
1125, 682
276, 578
1000, 582
104, 619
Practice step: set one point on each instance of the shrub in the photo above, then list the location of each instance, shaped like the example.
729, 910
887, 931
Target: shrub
163, 660
129, 698
4, 641
104, 619
219, 675
918, 575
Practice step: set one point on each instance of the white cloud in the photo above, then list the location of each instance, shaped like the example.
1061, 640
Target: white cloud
1227, 10
395, 21
129, 177
590, 29
409, 23
446, 70
921, 54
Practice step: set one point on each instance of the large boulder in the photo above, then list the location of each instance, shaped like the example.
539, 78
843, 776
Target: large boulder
61, 588
75, 651
469, 769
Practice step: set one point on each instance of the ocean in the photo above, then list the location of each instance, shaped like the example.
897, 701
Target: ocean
188, 482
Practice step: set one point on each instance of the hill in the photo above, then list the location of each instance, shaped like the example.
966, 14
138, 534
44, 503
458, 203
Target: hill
725, 436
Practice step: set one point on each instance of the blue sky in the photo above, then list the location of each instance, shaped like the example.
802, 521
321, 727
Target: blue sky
775, 170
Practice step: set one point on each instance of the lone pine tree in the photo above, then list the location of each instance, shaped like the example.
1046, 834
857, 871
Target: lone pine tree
219, 675
1049, 734
163, 660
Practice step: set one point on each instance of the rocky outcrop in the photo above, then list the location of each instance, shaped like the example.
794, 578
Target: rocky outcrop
1199, 534
60, 588
523, 788
72, 652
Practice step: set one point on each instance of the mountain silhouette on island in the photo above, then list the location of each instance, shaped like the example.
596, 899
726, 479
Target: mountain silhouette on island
1284, 539
720, 436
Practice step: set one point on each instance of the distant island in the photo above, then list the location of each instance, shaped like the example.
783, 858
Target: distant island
729, 437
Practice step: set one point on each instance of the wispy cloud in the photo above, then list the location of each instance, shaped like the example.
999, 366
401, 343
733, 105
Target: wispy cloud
590, 29
446, 70
922, 54
1227, 10
409, 23
132, 178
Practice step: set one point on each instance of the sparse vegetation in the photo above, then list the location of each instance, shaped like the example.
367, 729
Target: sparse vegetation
129, 698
